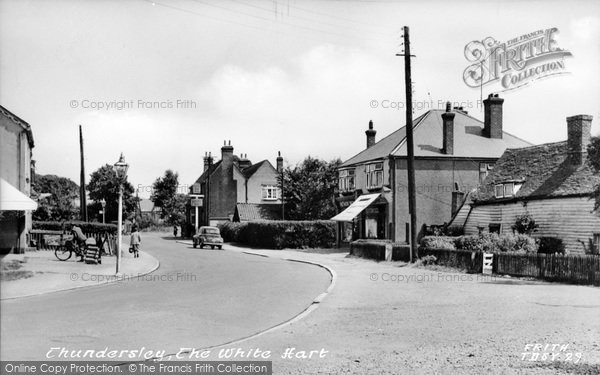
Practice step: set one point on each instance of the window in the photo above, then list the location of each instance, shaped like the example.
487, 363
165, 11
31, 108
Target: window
270, 192
495, 228
507, 190
596, 244
196, 189
499, 191
374, 175
346, 181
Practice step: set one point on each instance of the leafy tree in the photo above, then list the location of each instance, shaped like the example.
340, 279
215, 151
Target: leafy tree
104, 184
309, 189
164, 195
594, 159
59, 205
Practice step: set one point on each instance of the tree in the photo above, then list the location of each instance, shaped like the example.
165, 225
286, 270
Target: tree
104, 184
594, 159
164, 195
59, 204
309, 189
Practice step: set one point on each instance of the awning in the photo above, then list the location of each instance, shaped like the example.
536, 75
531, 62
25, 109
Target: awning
11, 199
356, 208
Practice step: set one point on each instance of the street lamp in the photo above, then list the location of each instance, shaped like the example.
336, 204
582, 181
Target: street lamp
103, 203
121, 171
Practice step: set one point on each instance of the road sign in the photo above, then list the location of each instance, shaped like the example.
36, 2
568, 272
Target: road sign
196, 202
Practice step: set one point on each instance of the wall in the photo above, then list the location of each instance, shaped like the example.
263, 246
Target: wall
570, 219
222, 195
15, 168
265, 175
434, 180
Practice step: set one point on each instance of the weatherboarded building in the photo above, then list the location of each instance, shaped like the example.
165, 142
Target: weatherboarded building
454, 152
552, 182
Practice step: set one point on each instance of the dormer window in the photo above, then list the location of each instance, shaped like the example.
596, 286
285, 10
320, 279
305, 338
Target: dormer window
508, 189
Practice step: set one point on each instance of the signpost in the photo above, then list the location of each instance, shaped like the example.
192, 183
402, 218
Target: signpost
196, 201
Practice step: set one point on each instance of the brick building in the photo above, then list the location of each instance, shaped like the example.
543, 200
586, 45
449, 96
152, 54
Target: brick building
552, 182
16, 173
231, 181
454, 152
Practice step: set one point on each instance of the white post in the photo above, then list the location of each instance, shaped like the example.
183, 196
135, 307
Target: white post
119, 228
196, 219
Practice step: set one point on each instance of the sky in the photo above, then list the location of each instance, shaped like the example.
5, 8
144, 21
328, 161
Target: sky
166, 81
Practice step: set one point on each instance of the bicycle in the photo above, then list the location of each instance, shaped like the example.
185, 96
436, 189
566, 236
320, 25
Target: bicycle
66, 249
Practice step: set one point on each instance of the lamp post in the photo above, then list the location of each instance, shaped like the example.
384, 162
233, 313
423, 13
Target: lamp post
121, 171
103, 203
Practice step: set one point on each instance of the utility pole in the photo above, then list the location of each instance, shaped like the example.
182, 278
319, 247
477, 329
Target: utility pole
410, 157
82, 197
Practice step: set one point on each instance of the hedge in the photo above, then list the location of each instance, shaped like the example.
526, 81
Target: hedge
67, 225
487, 242
281, 234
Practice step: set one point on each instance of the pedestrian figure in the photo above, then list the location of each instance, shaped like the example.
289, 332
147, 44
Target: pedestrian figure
174, 230
134, 243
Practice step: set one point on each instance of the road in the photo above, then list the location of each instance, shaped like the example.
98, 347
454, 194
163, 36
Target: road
197, 298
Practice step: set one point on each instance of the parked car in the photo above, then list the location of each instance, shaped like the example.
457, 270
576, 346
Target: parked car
209, 236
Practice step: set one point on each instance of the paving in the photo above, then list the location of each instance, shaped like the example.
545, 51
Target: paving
52, 275
391, 318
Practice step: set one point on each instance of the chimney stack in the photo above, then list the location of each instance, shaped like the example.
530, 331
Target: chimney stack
370, 134
448, 131
279, 162
579, 129
492, 122
227, 161
244, 162
206, 161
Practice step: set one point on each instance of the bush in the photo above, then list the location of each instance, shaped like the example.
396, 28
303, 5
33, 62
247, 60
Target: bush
428, 260
438, 242
280, 234
550, 245
486, 242
67, 225
517, 243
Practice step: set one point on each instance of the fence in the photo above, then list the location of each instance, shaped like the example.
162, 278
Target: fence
575, 269
50, 239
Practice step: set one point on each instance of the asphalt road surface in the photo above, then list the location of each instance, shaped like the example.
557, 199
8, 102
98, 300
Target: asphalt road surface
197, 298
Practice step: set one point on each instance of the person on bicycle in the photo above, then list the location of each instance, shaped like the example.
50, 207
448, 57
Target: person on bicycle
80, 239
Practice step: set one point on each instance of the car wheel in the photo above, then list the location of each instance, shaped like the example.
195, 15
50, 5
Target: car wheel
202, 245
212, 247
220, 247
195, 244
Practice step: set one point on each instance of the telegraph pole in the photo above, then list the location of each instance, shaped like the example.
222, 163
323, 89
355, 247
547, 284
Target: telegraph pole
82, 197
410, 157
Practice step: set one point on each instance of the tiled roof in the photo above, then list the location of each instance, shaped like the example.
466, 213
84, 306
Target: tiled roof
469, 141
248, 172
460, 217
544, 170
257, 212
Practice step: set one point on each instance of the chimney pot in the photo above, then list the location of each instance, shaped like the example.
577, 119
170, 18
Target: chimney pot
448, 106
